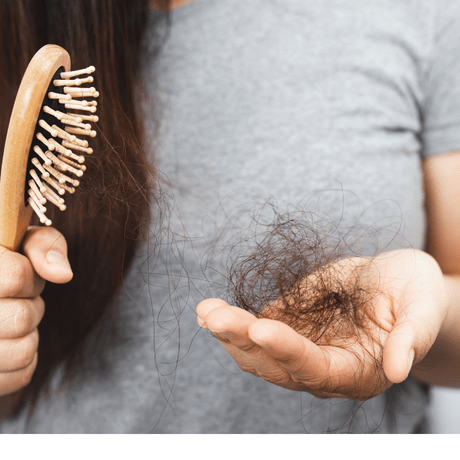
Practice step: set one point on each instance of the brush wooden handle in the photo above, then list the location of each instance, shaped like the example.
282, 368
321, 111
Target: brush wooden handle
14, 214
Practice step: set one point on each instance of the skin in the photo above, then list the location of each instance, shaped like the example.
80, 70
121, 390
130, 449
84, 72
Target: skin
424, 342
22, 279
419, 310
419, 328
422, 295
409, 281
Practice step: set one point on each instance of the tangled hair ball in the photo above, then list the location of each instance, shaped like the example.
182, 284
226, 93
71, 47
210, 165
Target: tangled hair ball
290, 273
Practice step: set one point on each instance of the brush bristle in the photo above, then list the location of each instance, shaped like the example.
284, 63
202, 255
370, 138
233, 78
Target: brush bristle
56, 159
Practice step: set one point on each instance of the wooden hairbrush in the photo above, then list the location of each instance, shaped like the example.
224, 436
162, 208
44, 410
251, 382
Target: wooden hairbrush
44, 150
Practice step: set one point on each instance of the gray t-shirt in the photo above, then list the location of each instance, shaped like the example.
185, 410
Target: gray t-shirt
319, 106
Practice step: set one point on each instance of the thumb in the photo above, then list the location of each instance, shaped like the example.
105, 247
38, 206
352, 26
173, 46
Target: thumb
46, 248
410, 340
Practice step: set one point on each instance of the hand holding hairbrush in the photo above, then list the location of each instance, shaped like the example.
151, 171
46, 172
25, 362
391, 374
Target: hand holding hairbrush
46, 142
44, 157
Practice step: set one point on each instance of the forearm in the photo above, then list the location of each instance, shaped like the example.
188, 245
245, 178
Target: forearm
441, 366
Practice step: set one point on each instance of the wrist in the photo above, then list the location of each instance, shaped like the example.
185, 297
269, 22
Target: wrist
437, 366
450, 324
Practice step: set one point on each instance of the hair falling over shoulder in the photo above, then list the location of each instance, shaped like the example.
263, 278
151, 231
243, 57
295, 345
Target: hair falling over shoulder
104, 222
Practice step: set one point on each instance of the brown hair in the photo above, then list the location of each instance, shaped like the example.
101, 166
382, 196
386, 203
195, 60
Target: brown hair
104, 221
301, 269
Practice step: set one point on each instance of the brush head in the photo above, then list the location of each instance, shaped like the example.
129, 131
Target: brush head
57, 167
47, 142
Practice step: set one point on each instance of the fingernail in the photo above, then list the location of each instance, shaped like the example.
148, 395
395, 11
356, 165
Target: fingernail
410, 361
223, 334
216, 332
261, 344
56, 258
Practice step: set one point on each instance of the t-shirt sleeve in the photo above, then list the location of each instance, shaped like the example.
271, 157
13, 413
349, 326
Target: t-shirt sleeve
441, 81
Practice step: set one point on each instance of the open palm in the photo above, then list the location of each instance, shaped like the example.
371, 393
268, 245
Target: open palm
400, 320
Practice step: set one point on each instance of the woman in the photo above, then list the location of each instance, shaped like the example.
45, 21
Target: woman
268, 101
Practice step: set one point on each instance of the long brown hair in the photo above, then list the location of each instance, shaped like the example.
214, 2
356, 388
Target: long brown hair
104, 222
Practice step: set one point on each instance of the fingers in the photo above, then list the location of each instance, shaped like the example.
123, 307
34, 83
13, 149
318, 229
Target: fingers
246, 332
297, 355
221, 318
230, 326
398, 353
22, 279
205, 307
17, 276
263, 347
19, 317
46, 249
13, 381
18, 341
410, 340
18, 353
419, 315
45, 258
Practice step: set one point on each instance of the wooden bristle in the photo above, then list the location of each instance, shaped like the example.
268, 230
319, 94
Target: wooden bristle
54, 165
